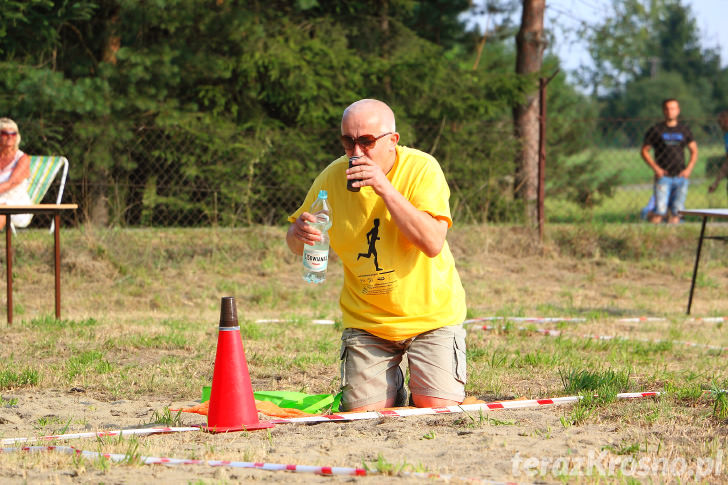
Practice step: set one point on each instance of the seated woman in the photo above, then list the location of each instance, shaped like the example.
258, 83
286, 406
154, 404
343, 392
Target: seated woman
14, 172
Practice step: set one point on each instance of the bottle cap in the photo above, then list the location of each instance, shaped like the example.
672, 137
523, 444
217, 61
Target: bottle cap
323, 194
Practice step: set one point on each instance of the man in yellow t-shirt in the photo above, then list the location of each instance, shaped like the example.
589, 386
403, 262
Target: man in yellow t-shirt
402, 293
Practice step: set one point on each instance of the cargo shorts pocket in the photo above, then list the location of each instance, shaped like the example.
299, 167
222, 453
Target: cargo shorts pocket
459, 357
349, 337
342, 357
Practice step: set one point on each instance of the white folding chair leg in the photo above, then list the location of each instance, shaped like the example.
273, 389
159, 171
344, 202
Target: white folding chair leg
60, 190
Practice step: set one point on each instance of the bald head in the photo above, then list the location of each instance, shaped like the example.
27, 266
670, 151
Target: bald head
374, 111
370, 119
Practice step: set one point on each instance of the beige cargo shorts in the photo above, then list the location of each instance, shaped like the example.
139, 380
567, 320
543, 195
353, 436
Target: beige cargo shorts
371, 368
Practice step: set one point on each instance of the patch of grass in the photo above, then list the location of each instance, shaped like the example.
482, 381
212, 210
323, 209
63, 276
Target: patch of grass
537, 358
481, 378
476, 354
691, 391
482, 419
627, 243
49, 322
468, 421
166, 418
132, 456
578, 414
511, 310
170, 341
704, 281
326, 346
180, 325
52, 421
251, 331
89, 360
543, 433
501, 422
608, 381
720, 402
385, 467
626, 448
497, 359
304, 362
8, 403
12, 378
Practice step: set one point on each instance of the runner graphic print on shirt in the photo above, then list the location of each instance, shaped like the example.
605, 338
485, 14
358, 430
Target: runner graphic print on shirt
379, 282
372, 238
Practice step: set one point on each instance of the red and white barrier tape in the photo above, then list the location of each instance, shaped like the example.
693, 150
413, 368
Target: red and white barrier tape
544, 331
282, 320
515, 404
99, 434
557, 333
399, 413
524, 319
641, 319
661, 319
151, 460
318, 470
708, 320
472, 320
681, 342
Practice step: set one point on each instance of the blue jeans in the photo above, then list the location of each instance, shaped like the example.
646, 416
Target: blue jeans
670, 193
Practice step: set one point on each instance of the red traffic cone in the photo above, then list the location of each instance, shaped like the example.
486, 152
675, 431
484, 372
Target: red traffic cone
232, 407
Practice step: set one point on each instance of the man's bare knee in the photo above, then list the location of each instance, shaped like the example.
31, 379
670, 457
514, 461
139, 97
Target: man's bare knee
373, 406
432, 402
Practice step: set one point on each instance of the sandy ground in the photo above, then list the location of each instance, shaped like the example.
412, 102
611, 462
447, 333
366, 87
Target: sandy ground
465, 446
502, 445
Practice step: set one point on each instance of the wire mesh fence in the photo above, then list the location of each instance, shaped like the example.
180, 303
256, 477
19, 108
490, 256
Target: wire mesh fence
136, 175
609, 182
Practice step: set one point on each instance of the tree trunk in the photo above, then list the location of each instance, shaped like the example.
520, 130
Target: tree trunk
386, 41
530, 44
113, 40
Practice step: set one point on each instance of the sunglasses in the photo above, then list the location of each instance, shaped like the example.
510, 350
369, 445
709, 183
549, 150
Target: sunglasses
8, 133
364, 141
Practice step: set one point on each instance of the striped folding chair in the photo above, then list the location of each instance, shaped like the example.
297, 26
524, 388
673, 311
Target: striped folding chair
43, 170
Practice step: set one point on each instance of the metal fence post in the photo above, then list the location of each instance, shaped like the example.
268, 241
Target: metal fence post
542, 82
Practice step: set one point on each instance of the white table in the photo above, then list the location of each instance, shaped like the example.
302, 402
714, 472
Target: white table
705, 214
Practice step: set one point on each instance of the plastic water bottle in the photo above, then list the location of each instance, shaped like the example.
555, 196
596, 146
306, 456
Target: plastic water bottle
316, 257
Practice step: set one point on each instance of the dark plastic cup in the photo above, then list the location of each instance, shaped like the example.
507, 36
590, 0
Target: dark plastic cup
349, 187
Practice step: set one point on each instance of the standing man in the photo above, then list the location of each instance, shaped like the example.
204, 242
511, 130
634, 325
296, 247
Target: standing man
412, 302
669, 139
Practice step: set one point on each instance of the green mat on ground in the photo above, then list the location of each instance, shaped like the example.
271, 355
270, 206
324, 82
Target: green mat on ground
308, 403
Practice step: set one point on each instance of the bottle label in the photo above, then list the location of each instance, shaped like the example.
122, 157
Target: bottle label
315, 260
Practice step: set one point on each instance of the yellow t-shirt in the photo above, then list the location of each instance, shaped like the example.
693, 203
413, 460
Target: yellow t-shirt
391, 289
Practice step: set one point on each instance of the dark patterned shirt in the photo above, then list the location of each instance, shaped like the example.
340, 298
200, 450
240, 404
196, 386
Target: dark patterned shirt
669, 143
